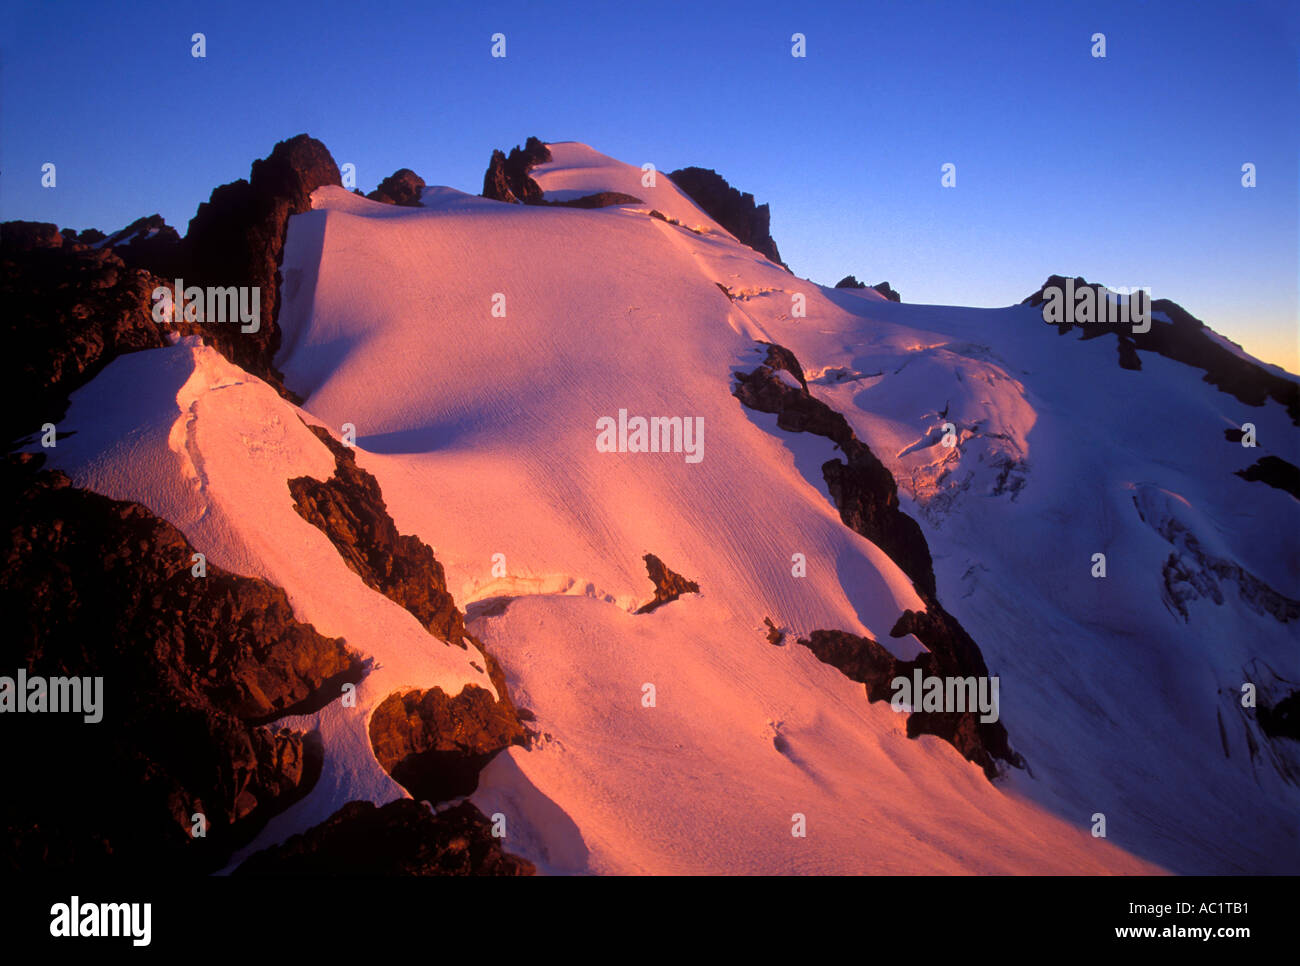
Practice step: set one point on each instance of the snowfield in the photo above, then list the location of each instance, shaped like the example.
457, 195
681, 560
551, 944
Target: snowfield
481, 430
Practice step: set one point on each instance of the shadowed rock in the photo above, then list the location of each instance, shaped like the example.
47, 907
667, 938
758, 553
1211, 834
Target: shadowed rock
69, 310
1276, 472
865, 661
98, 587
403, 187
864, 491
237, 238
401, 838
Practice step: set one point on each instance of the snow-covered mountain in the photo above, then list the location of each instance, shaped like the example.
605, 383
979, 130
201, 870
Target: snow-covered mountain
856, 486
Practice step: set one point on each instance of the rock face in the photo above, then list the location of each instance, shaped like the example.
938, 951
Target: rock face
850, 281
433, 744
887, 291
402, 838
732, 209
865, 493
669, 585
1184, 339
69, 310
349, 508
95, 587
507, 176
237, 238
403, 187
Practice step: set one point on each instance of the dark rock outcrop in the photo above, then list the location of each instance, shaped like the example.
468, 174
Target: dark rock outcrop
1282, 720
1276, 472
669, 585
884, 288
507, 177
349, 508
866, 494
94, 587
775, 636
733, 210
887, 291
865, 661
401, 838
601, 199
69, 310
237, 238
1184, 339
861, 486
436, 745
403, 187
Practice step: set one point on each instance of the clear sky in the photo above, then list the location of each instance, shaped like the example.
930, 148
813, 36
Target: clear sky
1126, 170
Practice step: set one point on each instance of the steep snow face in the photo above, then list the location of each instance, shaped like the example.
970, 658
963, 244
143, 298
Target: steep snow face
482, 430
477, 347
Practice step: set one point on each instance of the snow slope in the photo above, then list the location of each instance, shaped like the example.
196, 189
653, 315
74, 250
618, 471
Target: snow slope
481, 431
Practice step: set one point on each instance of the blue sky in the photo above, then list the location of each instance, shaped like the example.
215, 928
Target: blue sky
1125, 170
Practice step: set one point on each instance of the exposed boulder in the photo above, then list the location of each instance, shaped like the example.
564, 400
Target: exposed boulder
191, 665
850, 281
669, 585
401, 838
436, 745
403, 187
733, 210
237, 238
